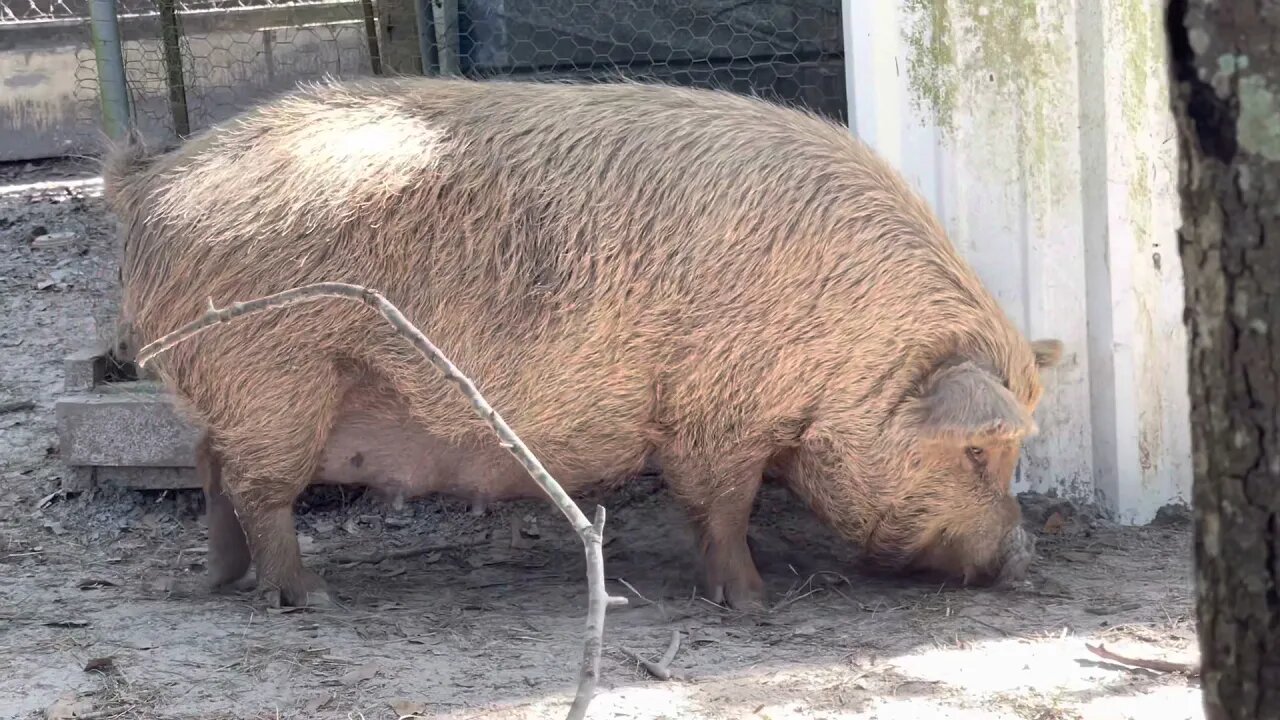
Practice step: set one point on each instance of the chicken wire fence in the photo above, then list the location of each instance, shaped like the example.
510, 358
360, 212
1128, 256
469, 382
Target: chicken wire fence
190, 63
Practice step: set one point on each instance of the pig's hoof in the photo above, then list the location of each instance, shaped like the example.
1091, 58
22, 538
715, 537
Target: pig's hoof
219, 586
225, 569
751, 602
308, 591
313, 599
744, 598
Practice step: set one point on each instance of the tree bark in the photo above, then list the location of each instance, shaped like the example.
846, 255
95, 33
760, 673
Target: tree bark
1225, 62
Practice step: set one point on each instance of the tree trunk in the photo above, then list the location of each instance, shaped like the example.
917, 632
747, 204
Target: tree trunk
1225, 59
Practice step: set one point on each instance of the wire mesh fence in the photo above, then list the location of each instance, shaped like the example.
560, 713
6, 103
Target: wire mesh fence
789, 51
190, 63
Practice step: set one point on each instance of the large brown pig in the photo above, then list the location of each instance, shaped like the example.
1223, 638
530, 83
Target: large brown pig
629, 272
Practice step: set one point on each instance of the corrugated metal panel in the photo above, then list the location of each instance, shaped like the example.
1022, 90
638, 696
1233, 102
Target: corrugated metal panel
1039, 132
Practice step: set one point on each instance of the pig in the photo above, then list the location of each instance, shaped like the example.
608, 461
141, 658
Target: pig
723, 287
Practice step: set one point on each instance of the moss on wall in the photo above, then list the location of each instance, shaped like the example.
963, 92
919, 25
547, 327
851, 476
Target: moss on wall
1016, 47
932, 59
1141, 35
1005, 59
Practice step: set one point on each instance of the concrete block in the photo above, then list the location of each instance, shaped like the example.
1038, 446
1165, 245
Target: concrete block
132, 424
78, 478
82, 370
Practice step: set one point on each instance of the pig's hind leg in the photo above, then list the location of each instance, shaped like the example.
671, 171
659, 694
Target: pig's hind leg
228, 559
276, 423
719, 498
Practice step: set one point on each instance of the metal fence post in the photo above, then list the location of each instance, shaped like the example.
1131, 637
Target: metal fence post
170, 35
112, 91
371, 36
444, 14
426, 36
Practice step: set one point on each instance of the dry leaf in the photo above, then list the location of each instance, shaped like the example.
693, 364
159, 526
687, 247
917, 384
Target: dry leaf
1054, 524
92, 583
105, 665
519, 538
530, 528
915, 688
365, 672
408, 709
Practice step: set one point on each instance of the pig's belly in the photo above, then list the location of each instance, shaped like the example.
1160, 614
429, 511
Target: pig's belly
391, 455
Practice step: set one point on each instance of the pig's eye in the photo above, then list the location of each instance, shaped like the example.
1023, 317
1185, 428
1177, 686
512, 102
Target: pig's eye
976, 454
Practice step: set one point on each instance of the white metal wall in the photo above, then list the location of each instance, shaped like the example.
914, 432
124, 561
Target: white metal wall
1041, 134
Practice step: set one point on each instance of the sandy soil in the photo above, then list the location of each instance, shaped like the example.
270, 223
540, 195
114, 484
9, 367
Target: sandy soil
102, 614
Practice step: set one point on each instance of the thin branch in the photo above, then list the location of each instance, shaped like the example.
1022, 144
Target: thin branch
592, 534
670, 655
1165, 666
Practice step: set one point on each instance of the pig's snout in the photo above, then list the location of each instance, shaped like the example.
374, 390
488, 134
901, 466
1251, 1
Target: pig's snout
1016, 551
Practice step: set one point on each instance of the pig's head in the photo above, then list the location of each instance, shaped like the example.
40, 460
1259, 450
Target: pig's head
961, 434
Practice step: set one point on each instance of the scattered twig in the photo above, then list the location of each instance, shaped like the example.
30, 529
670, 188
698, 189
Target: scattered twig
12, 406
401, 554
988, 625
1111, 609
1192, 668
592, 533
662, 668
795, 598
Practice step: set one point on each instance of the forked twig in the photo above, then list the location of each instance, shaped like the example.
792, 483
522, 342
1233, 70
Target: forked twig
592, 533
1191, 669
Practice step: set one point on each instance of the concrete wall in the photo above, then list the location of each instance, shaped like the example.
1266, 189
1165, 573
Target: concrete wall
40, 115
1040, 133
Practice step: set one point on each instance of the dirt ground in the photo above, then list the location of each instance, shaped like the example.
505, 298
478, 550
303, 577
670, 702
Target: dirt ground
102, 613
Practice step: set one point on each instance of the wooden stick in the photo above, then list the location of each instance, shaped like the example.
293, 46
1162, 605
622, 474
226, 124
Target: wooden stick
670, 655
661, 669
1192, 669
592, 534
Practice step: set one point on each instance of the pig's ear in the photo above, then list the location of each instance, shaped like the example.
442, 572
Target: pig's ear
1048, 352
966, 404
